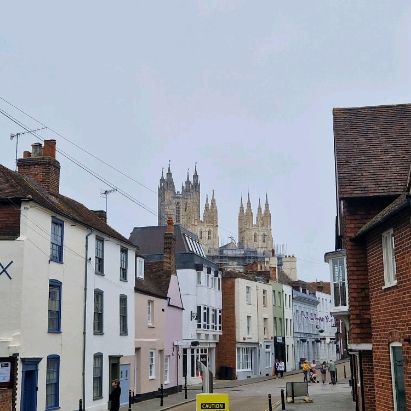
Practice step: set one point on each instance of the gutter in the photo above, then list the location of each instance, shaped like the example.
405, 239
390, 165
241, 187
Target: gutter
85, 320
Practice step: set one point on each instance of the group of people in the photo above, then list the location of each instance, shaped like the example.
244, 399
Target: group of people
311, 372
279, 368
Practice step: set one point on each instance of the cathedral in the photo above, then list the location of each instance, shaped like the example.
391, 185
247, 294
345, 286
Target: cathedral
184, 207
256, 235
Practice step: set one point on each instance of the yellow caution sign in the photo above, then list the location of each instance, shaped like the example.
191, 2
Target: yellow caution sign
212, 402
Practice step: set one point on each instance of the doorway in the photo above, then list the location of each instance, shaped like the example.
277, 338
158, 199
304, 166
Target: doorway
29, 384
124, 383
397, 373
114, 369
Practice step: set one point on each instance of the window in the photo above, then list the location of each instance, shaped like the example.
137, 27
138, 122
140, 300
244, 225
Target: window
150, 312
99, 266
267, 355
123, 263
97, 376
140, 267
397, 376
286, 326
56, 240
219, 284
285, 301
151, 365
209, 234
274, 299
339, 282
213, 319
248, 325
265, 323
208, 280
201, 234
178, 213
279, 298
244, 359
98, 311
388, 251
248, 295
288, 349
166, 369
291, 326
255, 237
123, 315
199, 308
54, 306
52, 382
264, 298
199, 277
275, 326
220, 323
280, 331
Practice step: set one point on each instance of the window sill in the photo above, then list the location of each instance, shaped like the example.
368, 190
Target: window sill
97, 398
51, 260
98, 333
393, 284
151, 326
124, 280
53, 408
98, 273
166, 382
151, 378
53, 332
123, 334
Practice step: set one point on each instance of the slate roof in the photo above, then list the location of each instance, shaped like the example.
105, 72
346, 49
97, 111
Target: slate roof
15, 187
372, 150
156, 282
403, 201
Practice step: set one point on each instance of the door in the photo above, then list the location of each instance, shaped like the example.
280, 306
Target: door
398, 378
28, 400
124, 383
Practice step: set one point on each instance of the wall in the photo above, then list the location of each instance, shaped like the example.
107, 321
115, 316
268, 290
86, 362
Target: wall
5, 399
289, 339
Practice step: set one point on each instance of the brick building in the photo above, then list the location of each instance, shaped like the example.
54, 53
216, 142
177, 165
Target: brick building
373, 156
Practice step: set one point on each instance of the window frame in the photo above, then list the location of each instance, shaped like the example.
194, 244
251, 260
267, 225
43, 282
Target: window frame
59, 258
123, 315
244, 359
97, 259
151, 365
98, 292
99, 395
248, 326
167, 369
56, 384
57, 284
123, 270
264, 298
139, 267
248, 299
388, 255
150, 313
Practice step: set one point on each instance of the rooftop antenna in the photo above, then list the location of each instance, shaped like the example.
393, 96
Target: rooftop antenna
17, 135
106, 193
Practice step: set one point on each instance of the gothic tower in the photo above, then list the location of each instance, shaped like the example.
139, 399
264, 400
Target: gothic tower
184, 207
256, 235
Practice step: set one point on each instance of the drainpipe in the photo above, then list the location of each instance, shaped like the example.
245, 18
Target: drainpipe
84, 320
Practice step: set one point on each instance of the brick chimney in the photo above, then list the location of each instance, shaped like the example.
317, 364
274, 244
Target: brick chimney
41, 165
169, 264
101, 214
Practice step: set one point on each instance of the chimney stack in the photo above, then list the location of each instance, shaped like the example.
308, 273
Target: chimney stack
101, 214
169, 248
41, 165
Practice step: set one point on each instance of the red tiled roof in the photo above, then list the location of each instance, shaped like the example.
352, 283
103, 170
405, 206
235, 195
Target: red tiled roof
372, 150
15, 187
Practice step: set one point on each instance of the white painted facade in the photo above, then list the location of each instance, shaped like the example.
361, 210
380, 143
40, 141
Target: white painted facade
325, 322
289, 327
25, 302
254, 328
200, 289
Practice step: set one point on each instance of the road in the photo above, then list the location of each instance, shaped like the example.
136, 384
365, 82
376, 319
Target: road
254, 397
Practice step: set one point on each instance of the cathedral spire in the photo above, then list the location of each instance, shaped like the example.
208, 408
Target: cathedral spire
241, 204
248, 201
267, 206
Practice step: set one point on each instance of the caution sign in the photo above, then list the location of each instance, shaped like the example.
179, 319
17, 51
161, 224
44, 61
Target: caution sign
212, 402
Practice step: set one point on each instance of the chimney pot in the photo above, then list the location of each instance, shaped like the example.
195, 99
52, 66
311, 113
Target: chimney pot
49, 149
26, 154
36, 150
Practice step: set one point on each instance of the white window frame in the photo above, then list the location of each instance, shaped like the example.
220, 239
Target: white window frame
264, 298
388, 254
151, 365
199, 278
265, 326
248, 294
167, 369
248, 325
244, 358
268, 356
140, 268
150, 313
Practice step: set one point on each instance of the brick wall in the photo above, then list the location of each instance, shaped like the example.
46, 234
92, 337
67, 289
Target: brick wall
6, 399
226, 347
357, 212
10, 219
391, 321
368, 380
44, 170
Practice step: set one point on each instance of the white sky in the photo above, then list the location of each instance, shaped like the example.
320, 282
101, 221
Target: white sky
245, 88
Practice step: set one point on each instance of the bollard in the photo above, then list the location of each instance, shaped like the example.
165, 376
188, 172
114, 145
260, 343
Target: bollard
185, 387
282, 400
345, 373
161, 395
129, 400
270, 406
80, 405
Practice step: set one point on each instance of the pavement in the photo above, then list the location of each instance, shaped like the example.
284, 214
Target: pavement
254, 391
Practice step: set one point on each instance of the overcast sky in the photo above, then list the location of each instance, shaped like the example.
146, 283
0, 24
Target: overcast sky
243, 88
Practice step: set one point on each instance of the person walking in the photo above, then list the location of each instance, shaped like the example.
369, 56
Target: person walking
323, 370
281, 368
332, 369
276, 367
115, 396
306, 370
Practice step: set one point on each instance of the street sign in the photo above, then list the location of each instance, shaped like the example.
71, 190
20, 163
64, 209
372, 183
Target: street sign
212, 402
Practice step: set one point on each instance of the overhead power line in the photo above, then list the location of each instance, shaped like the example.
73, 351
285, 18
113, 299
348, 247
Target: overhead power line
82, 166
77, 146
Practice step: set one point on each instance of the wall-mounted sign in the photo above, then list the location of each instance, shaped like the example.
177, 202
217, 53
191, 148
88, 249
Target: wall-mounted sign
5, 371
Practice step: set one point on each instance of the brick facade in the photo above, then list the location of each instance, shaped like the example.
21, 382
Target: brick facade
6, 399
10, 219
226, 347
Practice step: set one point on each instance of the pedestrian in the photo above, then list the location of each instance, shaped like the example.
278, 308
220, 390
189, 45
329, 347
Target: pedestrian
276, 367
306, 370
115, 396
324, 372
332, 369
281, 368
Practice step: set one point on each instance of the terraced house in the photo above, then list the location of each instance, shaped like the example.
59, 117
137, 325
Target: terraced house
67, 293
